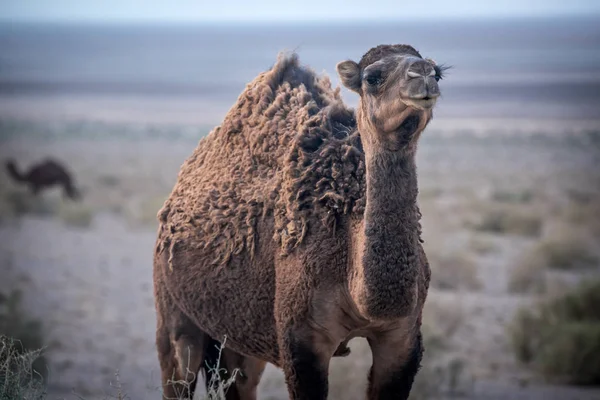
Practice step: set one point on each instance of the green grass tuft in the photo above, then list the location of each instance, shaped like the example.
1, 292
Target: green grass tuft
561, 337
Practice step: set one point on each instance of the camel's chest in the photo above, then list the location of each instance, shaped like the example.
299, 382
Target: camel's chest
333, 311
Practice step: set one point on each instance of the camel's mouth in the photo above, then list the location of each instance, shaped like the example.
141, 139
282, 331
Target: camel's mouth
423, 103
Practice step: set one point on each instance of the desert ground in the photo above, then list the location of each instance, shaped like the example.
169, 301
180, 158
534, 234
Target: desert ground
511, 217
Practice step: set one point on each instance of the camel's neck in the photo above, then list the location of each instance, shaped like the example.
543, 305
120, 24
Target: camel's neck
389, 260
391, 191
14, 173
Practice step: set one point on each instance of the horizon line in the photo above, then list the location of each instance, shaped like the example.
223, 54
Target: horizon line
273, 21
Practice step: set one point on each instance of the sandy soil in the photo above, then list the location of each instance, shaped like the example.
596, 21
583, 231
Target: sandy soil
92, 288
93, 291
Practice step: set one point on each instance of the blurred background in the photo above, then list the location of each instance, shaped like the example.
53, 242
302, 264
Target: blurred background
118, 93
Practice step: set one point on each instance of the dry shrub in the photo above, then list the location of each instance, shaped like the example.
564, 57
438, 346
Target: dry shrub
560, 338
567, 253
564, 248
510, 222
18, 377
442, 373
146, 210
22, 368
453, 271
482, 246
77, 215
581, 197
14, 323
430, 192
441, 319
529, 275
16, 203
512, 196
585, 216
220, 382
108, 180
561, 252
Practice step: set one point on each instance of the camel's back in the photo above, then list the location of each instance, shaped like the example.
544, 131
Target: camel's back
286, 144
49, 172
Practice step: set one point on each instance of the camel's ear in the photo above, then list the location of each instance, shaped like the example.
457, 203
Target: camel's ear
349, 73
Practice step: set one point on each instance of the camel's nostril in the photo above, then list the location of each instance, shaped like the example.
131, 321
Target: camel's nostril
426, 98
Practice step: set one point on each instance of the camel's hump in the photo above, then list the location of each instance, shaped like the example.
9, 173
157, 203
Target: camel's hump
287, 148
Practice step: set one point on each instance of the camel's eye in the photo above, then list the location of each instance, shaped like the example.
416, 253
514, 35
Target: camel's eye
439, 72
374, 78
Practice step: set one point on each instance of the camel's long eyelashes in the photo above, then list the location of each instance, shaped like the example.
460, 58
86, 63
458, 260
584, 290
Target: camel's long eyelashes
440, 71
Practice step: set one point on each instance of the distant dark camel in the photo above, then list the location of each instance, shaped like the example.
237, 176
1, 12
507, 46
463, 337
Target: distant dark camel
43, 175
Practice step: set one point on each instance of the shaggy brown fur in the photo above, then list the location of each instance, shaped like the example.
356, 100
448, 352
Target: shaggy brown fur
289, 232
44, 175
287, 149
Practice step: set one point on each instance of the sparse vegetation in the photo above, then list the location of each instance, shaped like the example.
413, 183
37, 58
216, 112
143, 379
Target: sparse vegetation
78, 215
22, 367
133, 180
146, 210
528, 276
443, 373
220, 382
430, 192
18, 377
585, 216
20, 202
580, 197
481, 245
512, 196
14, 323
583, 207
567, 251
561, 338
109, 180
453, 271
505, 221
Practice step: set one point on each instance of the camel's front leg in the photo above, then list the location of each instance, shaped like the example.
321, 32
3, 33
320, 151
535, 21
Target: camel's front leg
396, 360
305, 360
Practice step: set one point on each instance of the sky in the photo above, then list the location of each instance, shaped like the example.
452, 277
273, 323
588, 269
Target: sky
283, 10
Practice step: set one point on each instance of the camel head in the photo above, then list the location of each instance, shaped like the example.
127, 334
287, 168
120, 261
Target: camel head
398, 90
11, 167
10, 164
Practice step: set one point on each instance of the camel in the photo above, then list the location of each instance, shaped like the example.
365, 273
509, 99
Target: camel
43, 175
294, 227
